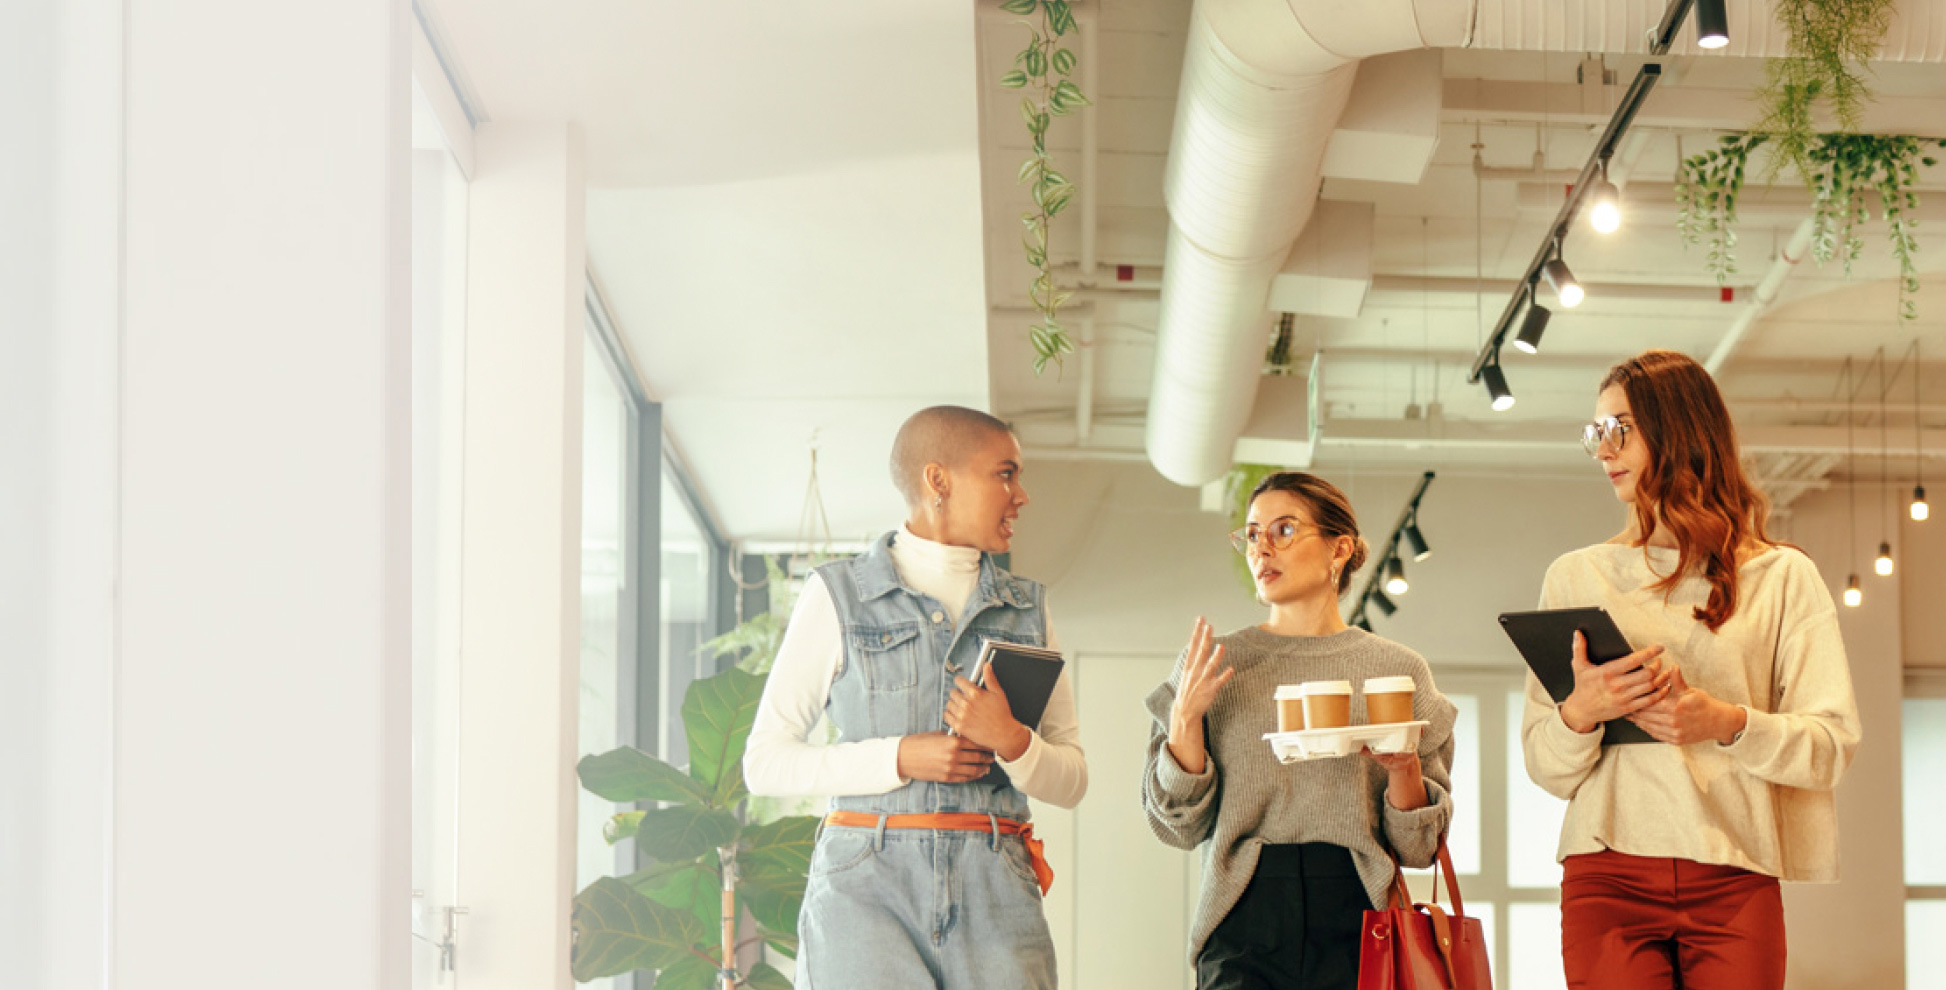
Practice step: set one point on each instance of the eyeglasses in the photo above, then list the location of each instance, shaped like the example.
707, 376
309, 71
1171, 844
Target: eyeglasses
1280, 534
1605, 432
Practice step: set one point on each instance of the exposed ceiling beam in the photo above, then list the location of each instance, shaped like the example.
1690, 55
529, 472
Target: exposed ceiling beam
1490, 101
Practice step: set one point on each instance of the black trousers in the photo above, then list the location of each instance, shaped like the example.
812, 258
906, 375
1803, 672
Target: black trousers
1295, 928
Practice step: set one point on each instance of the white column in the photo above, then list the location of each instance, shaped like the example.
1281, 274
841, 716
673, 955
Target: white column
1852, 933
261, 777
520, 539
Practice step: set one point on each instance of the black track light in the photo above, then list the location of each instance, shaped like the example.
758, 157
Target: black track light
1503, 397
1712, 24
1420, 549
1384, 604
1561, 280
1532, 327
1363, 623
1395, 581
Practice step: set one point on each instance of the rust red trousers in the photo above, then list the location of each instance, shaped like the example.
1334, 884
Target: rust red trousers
1642, 923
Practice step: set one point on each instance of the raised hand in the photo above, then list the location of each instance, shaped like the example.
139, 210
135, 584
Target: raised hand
1613, 689
981, 713
1203, 677
945, 759
1690, 715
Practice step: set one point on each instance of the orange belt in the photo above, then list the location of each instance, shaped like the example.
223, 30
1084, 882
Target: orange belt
956, 822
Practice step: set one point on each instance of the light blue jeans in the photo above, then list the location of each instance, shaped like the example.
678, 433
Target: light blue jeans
905, 909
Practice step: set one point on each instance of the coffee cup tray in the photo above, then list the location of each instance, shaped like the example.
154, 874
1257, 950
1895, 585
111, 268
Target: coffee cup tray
1324, 744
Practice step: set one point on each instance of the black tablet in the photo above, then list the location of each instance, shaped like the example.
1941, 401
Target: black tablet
1546, 642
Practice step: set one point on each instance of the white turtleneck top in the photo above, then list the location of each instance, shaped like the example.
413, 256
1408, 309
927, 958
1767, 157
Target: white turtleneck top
778, 760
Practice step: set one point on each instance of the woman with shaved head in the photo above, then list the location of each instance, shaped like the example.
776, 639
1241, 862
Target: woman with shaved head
926, 872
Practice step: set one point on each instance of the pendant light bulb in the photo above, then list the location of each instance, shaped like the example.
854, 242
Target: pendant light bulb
1883, 564
1712, 24
1920, 510
1853, 596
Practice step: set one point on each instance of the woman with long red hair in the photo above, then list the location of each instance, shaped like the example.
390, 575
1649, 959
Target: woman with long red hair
1672, 851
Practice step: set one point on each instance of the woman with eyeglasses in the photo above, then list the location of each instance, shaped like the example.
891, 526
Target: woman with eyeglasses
1672, 851
1292, 855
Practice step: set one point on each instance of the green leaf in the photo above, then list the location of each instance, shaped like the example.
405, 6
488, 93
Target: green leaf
781, 941
1060, 16
716, 714
617, 930
682, 832
1022, 7
763, 977
1029, 112
627, 774
1036, 62
621, 826
1014, 80
692, 972
1070, 94
1063, 61
1030, 170
782, 847
694, 888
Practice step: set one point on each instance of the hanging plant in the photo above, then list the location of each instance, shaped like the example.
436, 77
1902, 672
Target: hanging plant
1707, 188
1829, 41
1845, 174
1043, 68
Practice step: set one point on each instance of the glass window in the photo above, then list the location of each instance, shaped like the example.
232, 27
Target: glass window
604, 503
1925, 803
1533, 816
1464, 839
1924, 920
1534, 957
686, 620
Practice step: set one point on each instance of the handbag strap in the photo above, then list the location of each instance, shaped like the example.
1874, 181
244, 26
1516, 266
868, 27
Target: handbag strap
1442, 929
1401, 895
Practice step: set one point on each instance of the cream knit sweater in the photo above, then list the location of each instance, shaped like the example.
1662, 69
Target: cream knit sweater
1763, 803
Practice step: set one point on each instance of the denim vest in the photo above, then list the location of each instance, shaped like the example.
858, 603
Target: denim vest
901, 655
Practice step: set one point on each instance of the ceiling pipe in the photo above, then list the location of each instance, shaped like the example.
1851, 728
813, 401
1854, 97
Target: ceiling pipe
1263, 86
1766, 295
1084, 412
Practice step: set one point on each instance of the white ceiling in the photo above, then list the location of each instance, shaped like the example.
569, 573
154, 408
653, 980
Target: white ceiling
804, 219
1415, 346
783, 216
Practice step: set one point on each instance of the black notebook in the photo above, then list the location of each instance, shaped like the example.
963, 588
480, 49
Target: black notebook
1026, 673
1546, 642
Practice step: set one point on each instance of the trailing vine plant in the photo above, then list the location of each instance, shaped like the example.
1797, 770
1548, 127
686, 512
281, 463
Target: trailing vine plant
1845, 174
1829, 42
1043, 68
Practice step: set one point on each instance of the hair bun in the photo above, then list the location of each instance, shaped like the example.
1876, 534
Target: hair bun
1359, 552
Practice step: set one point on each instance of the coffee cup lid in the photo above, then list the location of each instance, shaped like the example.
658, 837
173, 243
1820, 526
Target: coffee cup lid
1289, 692
1388, 685
1327, 687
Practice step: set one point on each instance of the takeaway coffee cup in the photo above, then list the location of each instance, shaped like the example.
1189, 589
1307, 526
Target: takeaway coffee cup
1327, 704
1290, 707
1388, 699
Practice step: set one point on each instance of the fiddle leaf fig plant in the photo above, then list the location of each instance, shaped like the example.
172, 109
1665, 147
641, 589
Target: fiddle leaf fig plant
1043, 69
667, 916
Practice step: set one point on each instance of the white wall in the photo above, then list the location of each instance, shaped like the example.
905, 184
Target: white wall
1131, 562
206, 494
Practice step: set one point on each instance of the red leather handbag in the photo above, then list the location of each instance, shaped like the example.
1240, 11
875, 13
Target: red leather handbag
1411, 946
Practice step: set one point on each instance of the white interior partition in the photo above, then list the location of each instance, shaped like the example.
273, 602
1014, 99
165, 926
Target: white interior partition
520, 571
261, 722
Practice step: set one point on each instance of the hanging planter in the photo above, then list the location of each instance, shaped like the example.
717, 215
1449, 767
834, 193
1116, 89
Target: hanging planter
1850, 176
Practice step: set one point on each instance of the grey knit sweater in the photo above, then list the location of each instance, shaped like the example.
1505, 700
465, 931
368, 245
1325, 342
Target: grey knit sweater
1245, 799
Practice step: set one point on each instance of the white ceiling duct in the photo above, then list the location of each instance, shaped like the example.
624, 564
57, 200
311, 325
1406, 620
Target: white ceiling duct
1263, 86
